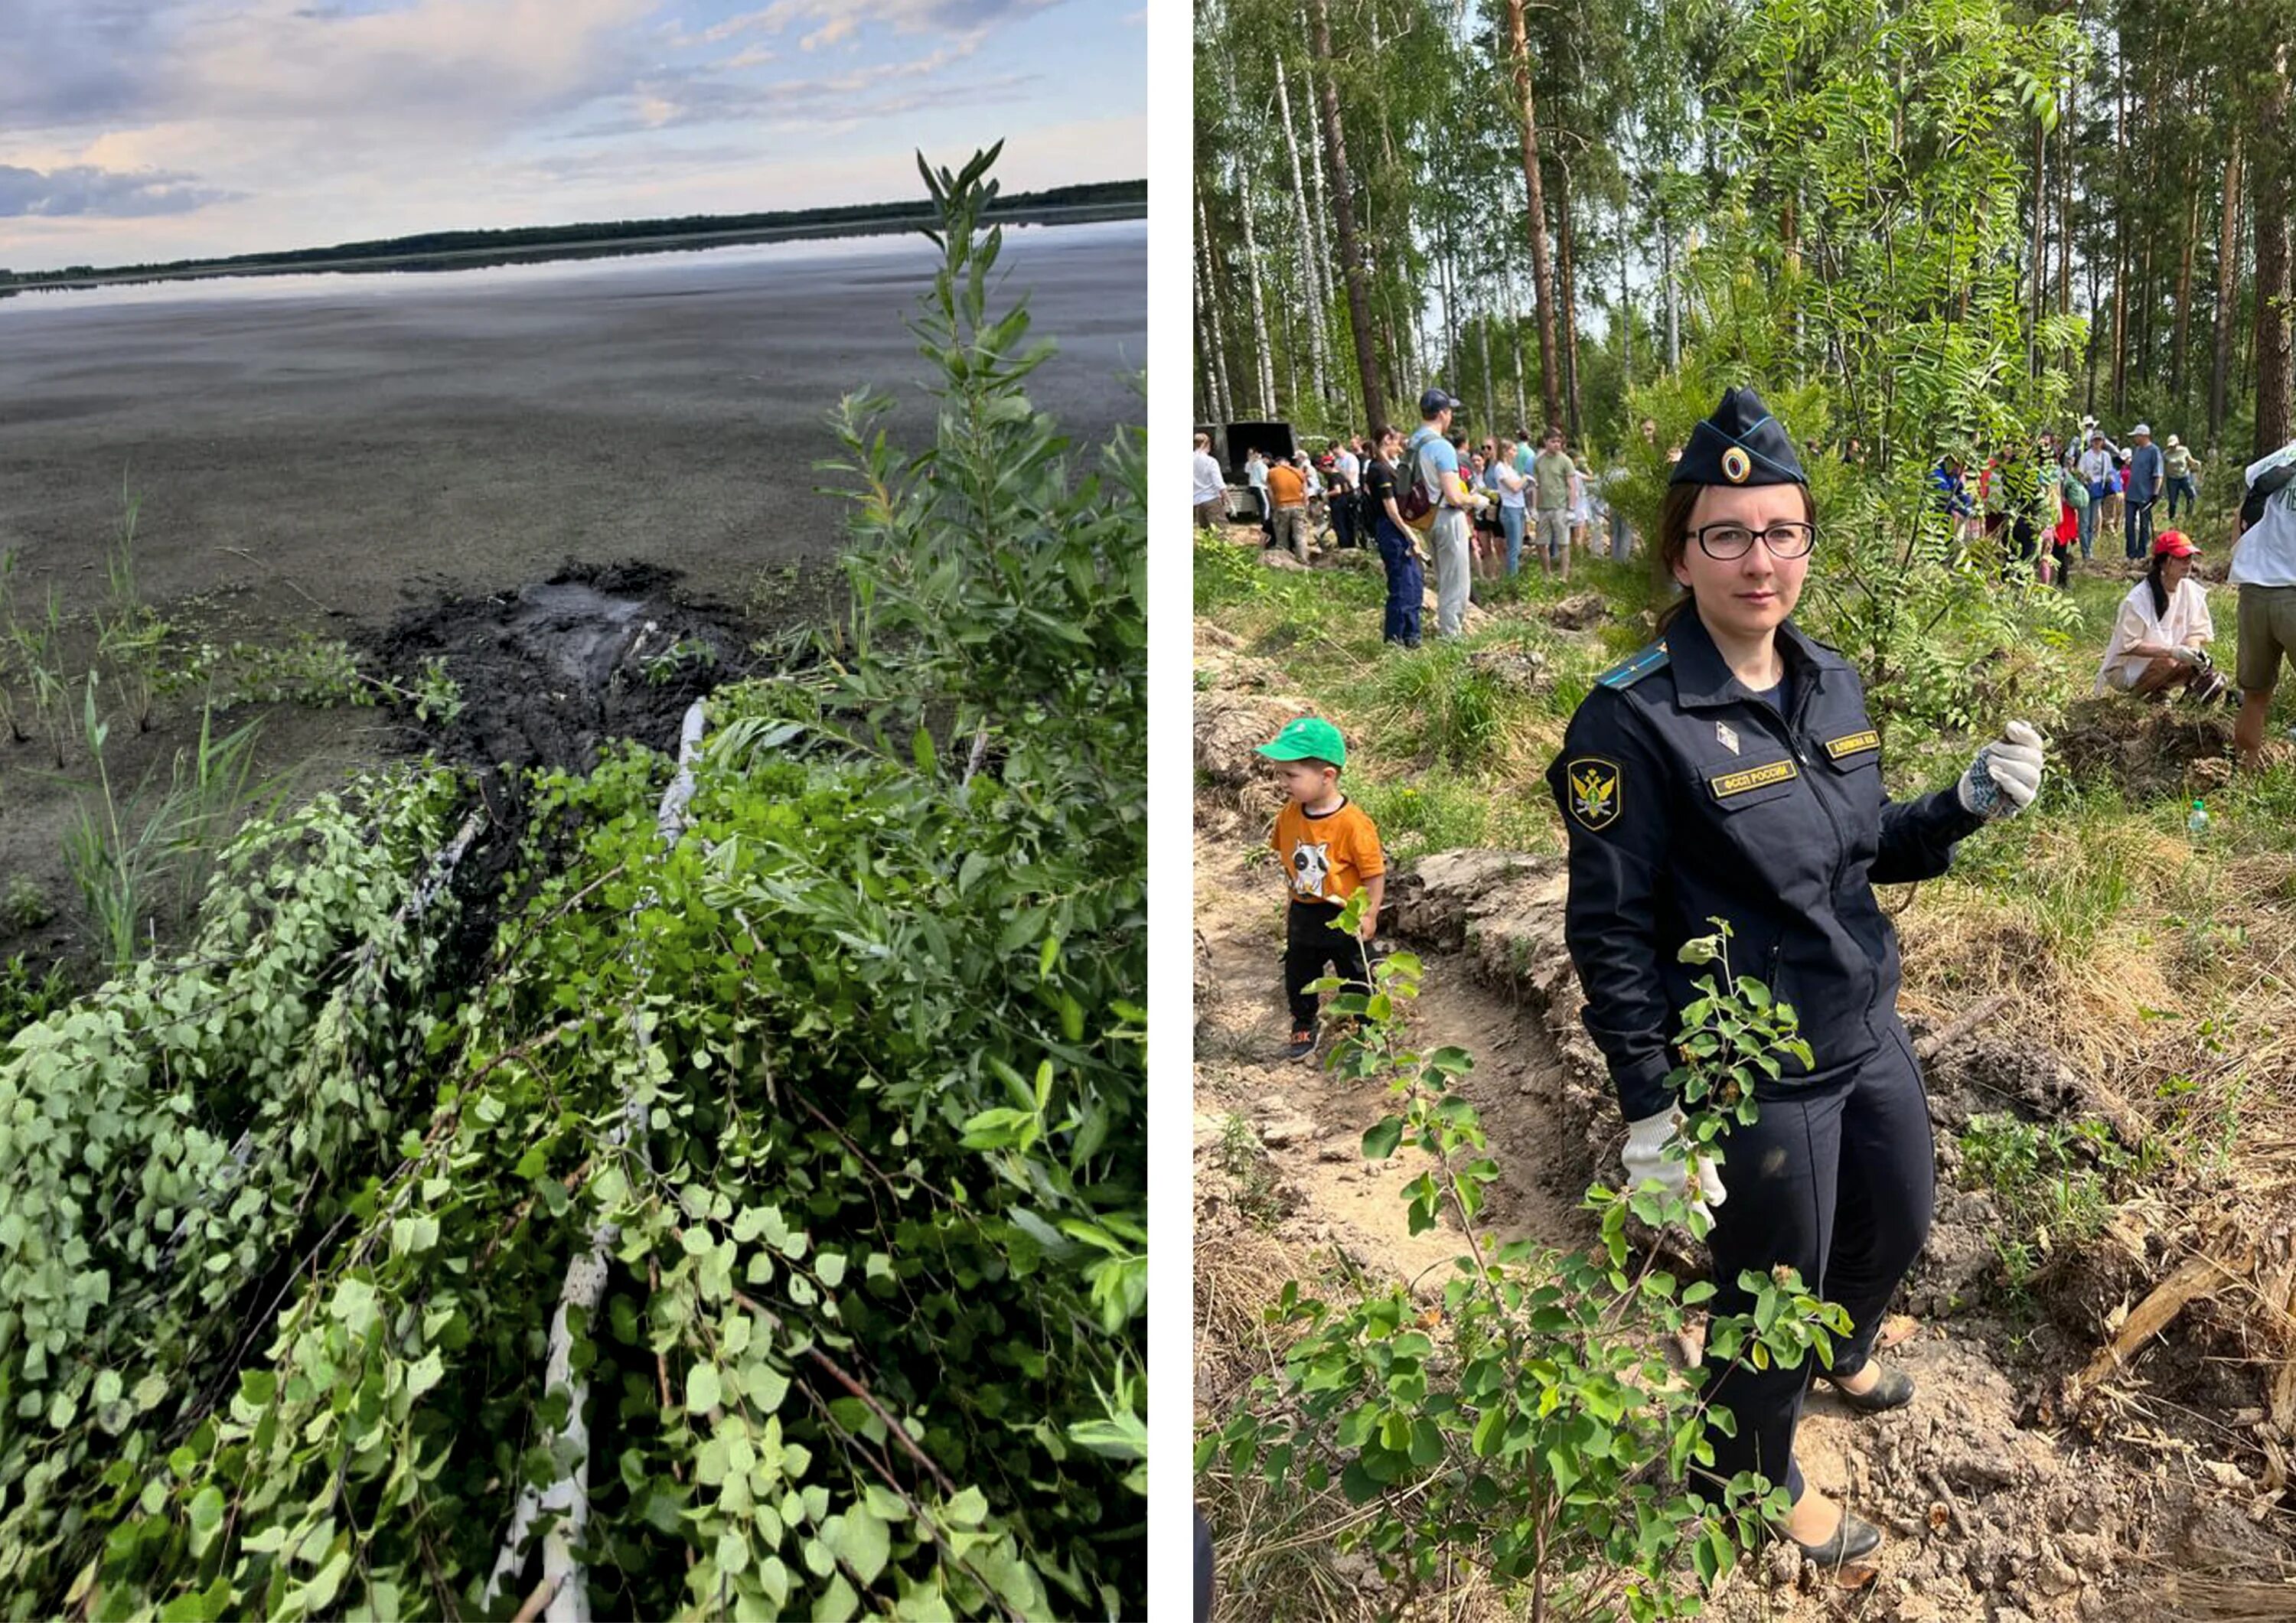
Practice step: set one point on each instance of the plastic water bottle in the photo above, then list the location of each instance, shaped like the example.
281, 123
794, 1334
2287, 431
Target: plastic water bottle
2197, 825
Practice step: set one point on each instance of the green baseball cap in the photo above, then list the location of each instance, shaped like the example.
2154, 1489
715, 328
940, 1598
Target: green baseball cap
1309, 738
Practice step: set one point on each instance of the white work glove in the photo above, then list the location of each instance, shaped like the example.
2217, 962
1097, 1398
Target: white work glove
2005, 775
1646, 1157
2187, 655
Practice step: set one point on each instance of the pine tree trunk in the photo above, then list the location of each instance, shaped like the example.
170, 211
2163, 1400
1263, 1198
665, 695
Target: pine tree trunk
1542, 274
2120, 241
2275, 404
2183, 288
1352, 265
1570, 296
1310, 299
2227, 290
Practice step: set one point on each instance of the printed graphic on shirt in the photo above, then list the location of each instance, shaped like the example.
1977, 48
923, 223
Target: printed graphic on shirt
1754, 777
1854, 744
1597, 791
1311, 865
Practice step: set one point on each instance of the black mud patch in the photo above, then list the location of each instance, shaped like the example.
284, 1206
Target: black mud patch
550, 671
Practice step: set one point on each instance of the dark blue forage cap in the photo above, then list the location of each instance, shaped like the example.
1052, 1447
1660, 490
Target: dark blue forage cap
1741, 444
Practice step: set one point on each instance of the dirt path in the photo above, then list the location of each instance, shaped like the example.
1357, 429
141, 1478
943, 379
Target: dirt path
1996, 1507
1311, 1124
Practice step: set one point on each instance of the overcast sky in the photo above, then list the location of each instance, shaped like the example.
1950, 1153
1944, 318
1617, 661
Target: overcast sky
142, 130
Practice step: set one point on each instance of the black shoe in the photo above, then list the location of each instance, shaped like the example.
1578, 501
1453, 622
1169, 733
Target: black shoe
1855, 1538
1303, 1044
1894, 1390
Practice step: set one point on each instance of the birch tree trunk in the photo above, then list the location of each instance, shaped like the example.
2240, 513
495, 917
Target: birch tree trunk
1483, 351
1265, 362
1542, 273
1514, 333
1626, 310
1208, 301
1310, 295
1666, 291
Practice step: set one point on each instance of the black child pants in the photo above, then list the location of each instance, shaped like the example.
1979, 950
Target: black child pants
1313, 938
1840, 1181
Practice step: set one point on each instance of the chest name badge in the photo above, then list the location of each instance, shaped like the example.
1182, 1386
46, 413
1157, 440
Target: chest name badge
1854, 744
1725, 737
1597, 791
1754, 777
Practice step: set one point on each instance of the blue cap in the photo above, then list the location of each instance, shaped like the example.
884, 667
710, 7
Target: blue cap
1434, 401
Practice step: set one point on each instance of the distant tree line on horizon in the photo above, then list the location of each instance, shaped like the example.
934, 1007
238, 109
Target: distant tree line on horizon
510, 239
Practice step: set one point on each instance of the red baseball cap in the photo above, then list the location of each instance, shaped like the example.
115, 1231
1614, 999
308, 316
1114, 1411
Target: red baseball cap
2172, 544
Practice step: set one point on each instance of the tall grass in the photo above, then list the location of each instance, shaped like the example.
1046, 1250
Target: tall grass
128, 635
140, 858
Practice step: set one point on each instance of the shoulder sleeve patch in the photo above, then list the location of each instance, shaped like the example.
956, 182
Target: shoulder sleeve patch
1636, 666
1597, 791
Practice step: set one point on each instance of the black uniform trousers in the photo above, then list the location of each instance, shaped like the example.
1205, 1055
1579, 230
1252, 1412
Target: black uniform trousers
1840, 1181
1313, 938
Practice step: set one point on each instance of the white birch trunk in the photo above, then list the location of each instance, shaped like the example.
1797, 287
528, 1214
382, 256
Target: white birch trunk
1311, 294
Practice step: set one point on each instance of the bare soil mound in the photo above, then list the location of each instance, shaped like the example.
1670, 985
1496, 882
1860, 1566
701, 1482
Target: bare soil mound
551, 670
2147, 750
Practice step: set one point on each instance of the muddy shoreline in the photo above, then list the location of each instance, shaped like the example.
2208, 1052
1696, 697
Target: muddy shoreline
343, 457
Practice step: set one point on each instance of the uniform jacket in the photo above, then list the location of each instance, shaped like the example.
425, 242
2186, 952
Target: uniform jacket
1686, 797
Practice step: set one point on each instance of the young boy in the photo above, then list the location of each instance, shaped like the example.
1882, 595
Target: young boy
1330, 851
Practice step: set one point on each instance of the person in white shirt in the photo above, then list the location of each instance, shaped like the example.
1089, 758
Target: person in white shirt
2264, 568
1514, 518
2160, 636
2097, 466
1255, 474
1211, 488
1347, 481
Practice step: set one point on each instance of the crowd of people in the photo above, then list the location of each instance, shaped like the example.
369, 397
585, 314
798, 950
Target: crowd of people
1508, 493
1438, 503
2043, 502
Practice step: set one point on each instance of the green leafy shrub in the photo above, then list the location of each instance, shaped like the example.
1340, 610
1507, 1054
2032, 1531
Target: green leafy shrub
2051, 1185
752, 1223
1529, 1421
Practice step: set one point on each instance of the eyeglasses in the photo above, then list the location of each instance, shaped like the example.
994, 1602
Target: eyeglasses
1727, 542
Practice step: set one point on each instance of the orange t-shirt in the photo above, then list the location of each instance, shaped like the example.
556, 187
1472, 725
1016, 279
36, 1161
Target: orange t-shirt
1285, 487
1328, 857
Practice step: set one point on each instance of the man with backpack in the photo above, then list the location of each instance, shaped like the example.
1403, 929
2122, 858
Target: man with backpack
1437, 500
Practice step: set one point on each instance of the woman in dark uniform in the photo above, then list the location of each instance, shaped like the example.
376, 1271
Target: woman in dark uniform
1730, 770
